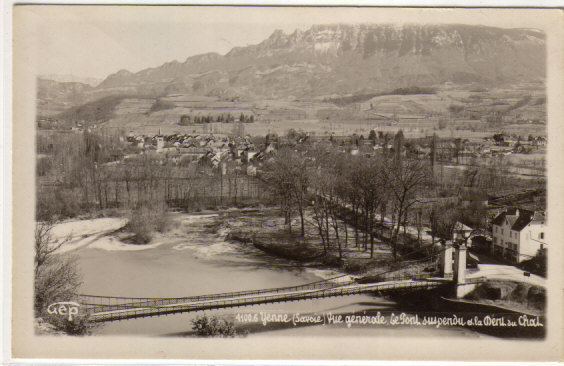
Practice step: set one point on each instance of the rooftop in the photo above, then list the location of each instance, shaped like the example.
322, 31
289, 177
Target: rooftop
519, 218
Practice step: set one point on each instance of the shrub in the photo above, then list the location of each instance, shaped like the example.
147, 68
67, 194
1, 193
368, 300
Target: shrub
331, 260
356, 266
56, 280
147, 219
485, 291
211, 326
80, 324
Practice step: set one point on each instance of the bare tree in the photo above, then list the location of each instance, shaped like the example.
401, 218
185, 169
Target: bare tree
301, 186
287, 176
404, 179
326, 186
56, 275
367, 177
443, 218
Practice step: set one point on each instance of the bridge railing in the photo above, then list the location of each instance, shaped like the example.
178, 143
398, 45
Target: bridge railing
156, 305
105, 303
292, 296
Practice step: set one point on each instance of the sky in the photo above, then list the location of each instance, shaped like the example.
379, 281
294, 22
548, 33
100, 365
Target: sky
95, 41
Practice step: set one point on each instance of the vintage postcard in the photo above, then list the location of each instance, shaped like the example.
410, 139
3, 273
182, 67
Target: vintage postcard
247, 183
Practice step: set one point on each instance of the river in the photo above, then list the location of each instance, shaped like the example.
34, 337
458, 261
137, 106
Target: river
192, 260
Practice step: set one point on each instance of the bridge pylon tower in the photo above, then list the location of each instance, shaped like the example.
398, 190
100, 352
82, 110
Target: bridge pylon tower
446, 260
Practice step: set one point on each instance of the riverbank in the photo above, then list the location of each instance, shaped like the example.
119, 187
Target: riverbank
265, 230
248, 229
262, 228
516, 296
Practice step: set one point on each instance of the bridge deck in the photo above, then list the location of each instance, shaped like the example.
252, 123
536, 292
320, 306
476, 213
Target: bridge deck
132, 311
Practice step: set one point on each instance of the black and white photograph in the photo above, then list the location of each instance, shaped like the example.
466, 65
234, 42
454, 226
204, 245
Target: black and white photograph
260, 175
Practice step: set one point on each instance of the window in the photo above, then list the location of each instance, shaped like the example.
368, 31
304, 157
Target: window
495, 240
541, 236
501, 231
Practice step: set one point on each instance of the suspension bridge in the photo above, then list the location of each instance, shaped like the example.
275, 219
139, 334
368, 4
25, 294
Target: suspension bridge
405, 279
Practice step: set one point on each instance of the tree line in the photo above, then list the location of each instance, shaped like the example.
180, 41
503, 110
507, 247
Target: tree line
344, 190
81, 173
372, 196
188, 119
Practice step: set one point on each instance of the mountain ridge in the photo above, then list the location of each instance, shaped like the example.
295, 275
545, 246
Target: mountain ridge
342, 59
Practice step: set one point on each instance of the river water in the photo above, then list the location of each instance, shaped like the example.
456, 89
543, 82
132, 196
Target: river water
194, 260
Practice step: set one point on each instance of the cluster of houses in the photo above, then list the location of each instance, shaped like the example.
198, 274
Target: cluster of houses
445, 149
186, 148
499, 144
213, 149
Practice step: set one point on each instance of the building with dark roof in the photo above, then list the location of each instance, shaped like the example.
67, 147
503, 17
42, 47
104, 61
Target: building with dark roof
518, 234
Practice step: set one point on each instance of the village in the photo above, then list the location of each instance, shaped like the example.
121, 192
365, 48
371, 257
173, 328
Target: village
514, 235
181, 148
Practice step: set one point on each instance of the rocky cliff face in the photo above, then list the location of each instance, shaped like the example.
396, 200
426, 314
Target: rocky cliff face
329, 59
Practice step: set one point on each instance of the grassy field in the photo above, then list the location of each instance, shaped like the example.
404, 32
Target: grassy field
453, 111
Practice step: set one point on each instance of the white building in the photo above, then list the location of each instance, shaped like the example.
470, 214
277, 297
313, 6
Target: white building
160, 143
518, 234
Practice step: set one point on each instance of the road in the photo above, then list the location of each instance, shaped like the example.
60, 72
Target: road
506, 273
